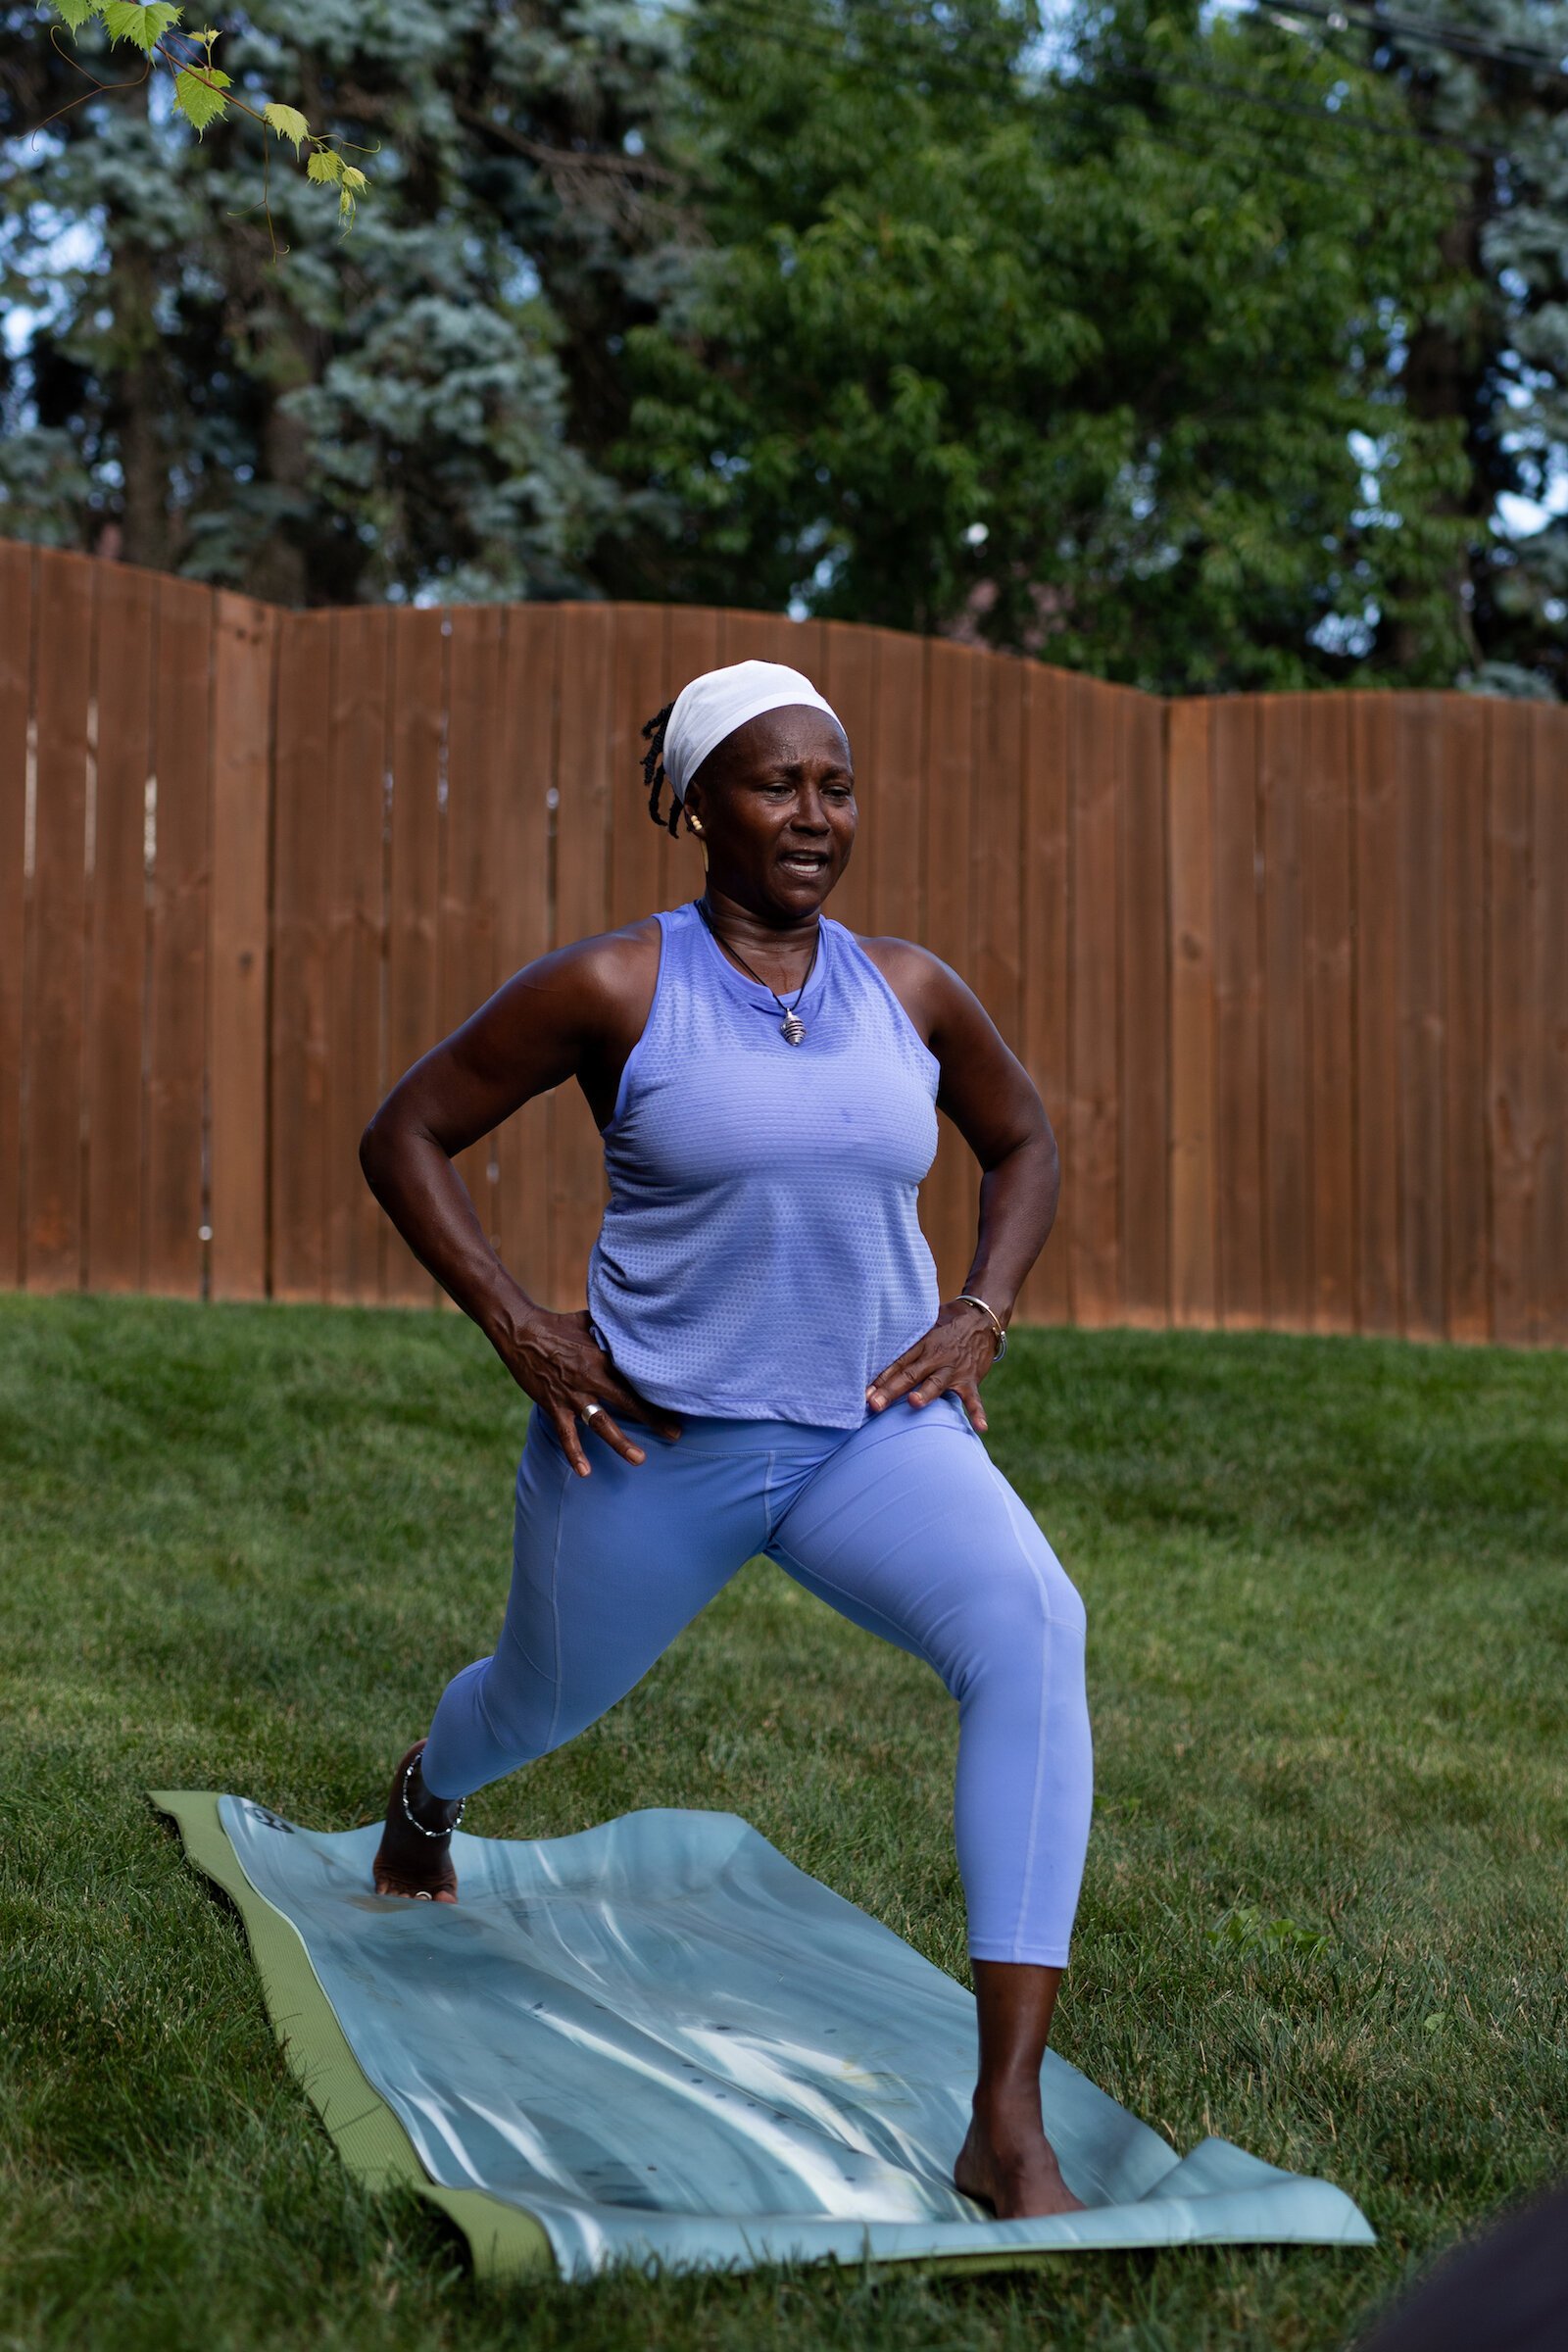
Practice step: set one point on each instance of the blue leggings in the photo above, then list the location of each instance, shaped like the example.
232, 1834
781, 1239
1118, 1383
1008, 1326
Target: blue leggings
905, 1526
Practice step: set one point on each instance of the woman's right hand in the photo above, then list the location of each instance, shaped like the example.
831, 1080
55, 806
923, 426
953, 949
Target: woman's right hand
557, 1361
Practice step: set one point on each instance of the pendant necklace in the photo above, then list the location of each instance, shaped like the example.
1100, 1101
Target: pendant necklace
791, 1028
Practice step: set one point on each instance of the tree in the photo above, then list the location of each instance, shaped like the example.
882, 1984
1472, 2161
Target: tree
1102, 366
425, 405
1490, 363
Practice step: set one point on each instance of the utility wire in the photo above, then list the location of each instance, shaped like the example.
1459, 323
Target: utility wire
1349, 16
1335, 118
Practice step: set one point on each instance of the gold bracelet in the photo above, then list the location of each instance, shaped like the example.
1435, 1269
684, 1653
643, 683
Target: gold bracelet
995, 1323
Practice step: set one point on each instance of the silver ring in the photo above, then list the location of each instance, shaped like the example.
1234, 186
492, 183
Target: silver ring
589, 1411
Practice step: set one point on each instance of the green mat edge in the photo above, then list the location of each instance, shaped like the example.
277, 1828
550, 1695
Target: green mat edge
506, 2243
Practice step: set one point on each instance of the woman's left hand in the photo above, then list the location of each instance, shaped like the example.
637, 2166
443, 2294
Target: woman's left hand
957, 1354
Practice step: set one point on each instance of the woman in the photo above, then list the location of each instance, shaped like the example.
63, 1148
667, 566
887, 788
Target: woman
764, 1364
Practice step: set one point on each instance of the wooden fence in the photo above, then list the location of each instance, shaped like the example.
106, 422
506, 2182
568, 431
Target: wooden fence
1291, 971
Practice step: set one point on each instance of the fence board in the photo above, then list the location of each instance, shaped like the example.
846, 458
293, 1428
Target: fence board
355, 851
1511, 996
1145, 987
522, 928
1464, 787
1549, 818
1042, 1038
1099, 783
1425, 915
847, 675
415, 753
1374, 724
52, 1077
892, 855
298, 1070
175, 1204
1328, 979
692, 645
1238, 1012
469, 880
126, 643
242, 754
948, 1198
640, 664
18, 611
582, 821
1193, 1272
1287, 1219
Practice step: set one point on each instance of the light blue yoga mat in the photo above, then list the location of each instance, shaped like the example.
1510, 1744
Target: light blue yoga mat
661, 2040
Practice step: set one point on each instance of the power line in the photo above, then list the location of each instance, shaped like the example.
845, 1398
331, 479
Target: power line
1345, 15
1330, 118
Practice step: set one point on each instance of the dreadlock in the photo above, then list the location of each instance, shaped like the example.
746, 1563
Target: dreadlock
654, 768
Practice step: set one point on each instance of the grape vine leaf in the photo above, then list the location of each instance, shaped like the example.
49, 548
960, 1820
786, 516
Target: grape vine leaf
145, 26
200, 98
289, 122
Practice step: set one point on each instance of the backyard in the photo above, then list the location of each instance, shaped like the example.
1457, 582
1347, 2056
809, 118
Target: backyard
1323, 1917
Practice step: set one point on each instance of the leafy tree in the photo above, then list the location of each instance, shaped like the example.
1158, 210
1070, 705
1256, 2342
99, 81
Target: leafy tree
1491, 361
1102, 366
425, 403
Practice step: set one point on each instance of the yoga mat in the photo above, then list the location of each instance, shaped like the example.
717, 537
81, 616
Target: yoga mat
658, 2041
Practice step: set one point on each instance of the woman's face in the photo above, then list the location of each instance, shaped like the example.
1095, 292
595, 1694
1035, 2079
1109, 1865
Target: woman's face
776, 804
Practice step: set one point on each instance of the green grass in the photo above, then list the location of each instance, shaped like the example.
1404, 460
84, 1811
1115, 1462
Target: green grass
1326, 1895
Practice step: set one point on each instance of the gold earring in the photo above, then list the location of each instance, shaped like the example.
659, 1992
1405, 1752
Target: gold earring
694, 824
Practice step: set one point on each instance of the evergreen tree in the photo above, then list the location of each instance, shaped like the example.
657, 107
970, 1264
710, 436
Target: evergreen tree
425, 403
1489, 78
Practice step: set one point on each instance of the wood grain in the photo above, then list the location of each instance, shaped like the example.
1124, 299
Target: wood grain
1194, 1150
127, 642
1374, 738
1463, 786
470, 882
1238, 1012
18, 609
524, 915
1287, 1214
355, 853
298, 998
582, 850
1424, 917
242, 757
1330, 1023
1144, 983
57, 918
949, 1195
1549, 754
1098, 787
1290, 972
415, 759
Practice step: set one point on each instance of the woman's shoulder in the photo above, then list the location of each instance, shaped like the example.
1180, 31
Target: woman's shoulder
924, 986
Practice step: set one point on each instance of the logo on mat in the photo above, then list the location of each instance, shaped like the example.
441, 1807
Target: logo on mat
268, 1821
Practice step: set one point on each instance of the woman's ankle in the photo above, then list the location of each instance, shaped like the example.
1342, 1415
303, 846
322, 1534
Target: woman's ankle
436, 1816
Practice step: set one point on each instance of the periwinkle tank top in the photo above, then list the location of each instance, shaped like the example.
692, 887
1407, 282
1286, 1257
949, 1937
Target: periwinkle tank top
760, 1258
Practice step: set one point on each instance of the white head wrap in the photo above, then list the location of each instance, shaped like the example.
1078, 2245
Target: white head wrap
714, 705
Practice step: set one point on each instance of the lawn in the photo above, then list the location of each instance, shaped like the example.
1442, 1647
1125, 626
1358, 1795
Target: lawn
1324, 1914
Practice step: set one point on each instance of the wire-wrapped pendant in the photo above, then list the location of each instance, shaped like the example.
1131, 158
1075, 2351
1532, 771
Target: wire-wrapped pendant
793, 1028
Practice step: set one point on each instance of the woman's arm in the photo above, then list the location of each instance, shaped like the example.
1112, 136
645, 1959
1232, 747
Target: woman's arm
993, 1101
573, 1014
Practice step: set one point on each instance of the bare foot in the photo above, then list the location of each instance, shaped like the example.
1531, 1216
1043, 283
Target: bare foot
407, 1862
1008, 2162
